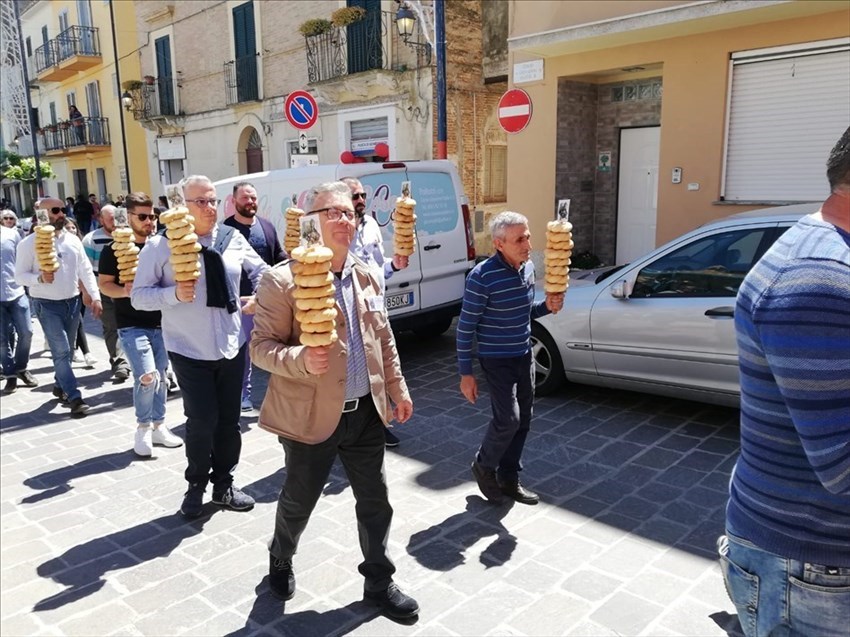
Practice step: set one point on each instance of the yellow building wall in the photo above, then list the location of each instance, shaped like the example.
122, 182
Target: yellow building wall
695, 75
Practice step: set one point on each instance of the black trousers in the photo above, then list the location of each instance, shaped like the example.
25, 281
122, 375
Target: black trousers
359, 442
212, 392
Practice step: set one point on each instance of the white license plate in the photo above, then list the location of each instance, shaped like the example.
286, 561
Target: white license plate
399, 300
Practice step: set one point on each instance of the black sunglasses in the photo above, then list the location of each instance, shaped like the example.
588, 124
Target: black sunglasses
144, 216
56, 211
358, 195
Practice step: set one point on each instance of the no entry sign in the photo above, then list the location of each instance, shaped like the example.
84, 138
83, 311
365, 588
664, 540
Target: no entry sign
301, 109
514, 110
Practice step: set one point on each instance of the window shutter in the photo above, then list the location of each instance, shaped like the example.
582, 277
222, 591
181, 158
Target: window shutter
786, 112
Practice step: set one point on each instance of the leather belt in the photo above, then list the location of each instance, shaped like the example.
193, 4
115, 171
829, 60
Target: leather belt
350, 405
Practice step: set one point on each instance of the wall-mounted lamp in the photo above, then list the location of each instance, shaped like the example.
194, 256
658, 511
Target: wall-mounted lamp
405, 21
134, 99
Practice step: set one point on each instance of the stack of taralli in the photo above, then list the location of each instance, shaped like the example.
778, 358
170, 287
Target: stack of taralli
126, 253
314, 295
45, 248
559, 247
404, 225
183, 243
293, 229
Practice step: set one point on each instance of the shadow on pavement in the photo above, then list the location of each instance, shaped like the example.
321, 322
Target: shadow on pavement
58, 481
455, 534
309, 623
82, 568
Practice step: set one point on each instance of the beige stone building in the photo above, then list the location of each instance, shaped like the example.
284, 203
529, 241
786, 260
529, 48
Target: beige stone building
653, 117
216, 75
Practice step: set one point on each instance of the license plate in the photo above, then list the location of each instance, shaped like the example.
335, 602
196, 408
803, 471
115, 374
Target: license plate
399, 300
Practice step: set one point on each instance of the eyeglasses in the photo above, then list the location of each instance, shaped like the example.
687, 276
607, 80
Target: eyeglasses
358, 195
56, 211
144, 216
205, 202
334, 214
8, 218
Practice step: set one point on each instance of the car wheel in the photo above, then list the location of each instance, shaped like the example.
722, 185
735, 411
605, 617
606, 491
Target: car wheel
432, 330
548, 367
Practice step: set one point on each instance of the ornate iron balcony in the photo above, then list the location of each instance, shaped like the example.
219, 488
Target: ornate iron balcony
240, 80
371, 43
75, 134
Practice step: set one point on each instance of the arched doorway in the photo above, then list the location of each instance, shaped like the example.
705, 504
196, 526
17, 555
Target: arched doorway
250, 151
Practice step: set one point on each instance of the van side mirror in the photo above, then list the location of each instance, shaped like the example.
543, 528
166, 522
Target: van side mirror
621, 289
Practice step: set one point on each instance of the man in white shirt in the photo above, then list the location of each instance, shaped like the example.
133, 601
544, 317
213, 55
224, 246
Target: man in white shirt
55, 298
368, 245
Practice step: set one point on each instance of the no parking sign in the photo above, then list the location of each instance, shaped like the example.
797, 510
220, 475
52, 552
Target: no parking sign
301, 109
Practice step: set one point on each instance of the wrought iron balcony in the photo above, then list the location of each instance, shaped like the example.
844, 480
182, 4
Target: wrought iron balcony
82, 133
153, 100
371, 43
75, 49
240, 80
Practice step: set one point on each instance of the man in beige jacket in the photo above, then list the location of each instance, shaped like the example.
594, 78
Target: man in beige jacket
332, 400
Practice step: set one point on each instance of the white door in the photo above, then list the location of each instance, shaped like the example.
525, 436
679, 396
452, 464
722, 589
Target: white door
638, 192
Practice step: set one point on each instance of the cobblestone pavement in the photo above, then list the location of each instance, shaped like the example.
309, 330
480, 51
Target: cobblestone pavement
633, 489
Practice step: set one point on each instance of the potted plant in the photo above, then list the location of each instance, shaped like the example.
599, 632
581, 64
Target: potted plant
315, 26
133, 85
344, 16
149, 79
65, 125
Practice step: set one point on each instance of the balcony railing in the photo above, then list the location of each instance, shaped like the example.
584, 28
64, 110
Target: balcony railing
371, 43
75, 134
155, 99
240, 80
75, 49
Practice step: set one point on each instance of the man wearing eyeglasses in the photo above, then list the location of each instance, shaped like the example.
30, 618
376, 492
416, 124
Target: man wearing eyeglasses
55, 299
15, 323
324, 402
368, 244
94, 242
140, 335
263, 238
202, 330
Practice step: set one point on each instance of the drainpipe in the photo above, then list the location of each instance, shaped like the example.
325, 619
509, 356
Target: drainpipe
120, 106
440, 32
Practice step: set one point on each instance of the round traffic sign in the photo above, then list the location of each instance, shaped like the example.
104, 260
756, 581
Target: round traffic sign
514, 110
301, 109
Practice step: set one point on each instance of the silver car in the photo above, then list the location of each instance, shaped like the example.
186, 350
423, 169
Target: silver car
664, 323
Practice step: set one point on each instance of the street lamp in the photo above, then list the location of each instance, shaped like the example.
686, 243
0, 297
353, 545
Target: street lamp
405, 20
127, 100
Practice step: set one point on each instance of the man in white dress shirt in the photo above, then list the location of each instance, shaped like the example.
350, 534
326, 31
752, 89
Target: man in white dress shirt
55, 298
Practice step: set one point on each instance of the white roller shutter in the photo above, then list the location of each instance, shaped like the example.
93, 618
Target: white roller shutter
365, 133
787, 109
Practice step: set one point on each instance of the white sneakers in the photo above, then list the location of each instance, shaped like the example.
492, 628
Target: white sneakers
143, 444
90, 360
162, 437
148, 437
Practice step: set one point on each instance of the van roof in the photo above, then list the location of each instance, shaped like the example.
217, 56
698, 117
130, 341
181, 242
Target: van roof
322, 172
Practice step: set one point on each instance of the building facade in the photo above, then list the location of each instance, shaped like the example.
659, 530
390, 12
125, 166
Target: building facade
655, 117
71, 53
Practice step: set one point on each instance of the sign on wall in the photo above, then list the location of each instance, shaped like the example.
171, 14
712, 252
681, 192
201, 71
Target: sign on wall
528, 71
514, 110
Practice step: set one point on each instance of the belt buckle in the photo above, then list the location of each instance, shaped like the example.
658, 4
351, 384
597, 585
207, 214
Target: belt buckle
350, 405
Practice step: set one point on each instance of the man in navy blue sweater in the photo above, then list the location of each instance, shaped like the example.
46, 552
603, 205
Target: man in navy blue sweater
498, 305
786, 552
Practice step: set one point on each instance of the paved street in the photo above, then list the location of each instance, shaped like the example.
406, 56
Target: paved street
633, 490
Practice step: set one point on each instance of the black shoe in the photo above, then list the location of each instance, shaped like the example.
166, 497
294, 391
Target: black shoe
516, 491
121, 374
11, 386
281, 578
172, 384
193, 501
62, 396
79, 407
393, 602
390, 439
487, 482
27, 378
233, 498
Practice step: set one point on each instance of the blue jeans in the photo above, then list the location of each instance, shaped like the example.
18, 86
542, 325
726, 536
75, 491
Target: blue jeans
15, 319
780, 597
59, 320
247, 328
145, 351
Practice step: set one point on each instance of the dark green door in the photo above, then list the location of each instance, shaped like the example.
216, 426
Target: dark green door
244, 37
363, 38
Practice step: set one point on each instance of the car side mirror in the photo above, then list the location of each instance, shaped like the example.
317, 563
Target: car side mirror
621, 289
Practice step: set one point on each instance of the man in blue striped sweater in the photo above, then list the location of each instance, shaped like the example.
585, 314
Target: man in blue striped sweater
786, 552
498, 305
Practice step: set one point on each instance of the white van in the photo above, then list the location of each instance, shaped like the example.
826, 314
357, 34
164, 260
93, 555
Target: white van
425, 296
